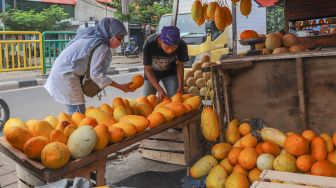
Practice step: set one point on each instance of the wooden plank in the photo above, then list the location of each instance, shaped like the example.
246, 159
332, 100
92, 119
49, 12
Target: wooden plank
304, 10
176, 136
312, 42
99, 167
318, 181
173, 158
187, 146
218, 89
320, 79
194, 140
301, 91
162, 145
322, 53
267, 91
72, 166
260, 184
8, 179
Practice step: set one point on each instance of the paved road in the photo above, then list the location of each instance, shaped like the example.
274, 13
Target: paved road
35, 102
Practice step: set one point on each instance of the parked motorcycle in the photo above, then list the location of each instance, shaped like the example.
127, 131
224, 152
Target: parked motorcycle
4, 113
132, 48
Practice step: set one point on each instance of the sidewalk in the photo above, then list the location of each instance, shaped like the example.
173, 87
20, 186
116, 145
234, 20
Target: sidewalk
19, 79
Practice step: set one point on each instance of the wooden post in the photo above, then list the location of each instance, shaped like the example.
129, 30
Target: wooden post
227, 97
301, 91
101, 170
234, 29
175, 12
218, 88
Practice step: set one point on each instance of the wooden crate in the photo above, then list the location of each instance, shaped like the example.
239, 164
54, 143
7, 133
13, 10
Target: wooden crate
95, 172
166, 147
292, 180
174, 147
290, 92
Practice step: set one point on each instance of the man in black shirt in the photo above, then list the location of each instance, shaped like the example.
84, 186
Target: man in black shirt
163, 57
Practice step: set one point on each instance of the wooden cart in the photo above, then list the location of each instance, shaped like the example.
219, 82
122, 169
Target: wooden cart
93, 166
290, 92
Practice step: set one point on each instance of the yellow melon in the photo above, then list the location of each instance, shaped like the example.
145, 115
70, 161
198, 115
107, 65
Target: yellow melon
52, 121
221, 150
167, 113
57, 135
33, 147
13, 122
103, 136
196, 10
141, 123
128, 128
178, 108
116, 134
77, 117
285, 163
236, 180
41, 128
209, 124
217, 177
195, 102
245, 7
55, 155
203, 166
155, 119
211, 10
107, 109
118, 112
232, 132
227, 165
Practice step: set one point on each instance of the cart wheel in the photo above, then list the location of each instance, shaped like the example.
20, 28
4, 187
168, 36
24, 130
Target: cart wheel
4, 113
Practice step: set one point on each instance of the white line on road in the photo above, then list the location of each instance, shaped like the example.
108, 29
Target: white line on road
35, 87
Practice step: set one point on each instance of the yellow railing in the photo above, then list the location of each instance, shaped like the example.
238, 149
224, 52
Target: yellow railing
21, 50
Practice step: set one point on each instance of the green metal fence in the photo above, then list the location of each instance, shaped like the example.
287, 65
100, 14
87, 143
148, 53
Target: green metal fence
53, 43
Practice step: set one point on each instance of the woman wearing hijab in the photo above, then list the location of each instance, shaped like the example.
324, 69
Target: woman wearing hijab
163, 56
64, 83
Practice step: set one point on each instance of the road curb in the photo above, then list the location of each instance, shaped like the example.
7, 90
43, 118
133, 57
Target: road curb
8, 85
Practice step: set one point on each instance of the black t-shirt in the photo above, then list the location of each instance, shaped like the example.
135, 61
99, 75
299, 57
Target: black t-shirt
163, 64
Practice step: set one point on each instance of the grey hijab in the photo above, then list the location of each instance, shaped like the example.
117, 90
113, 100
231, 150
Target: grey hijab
100, 33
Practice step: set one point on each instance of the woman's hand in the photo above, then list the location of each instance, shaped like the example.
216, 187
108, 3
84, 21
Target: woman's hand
123, 87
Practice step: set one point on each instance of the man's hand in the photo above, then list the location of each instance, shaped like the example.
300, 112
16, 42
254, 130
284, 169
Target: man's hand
180, 89
162, 95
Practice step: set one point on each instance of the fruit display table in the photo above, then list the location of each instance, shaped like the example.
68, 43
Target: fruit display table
96, 161
290, 92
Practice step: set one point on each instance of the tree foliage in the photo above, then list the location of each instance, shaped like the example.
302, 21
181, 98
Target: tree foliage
143, 11
275, 18
46, 20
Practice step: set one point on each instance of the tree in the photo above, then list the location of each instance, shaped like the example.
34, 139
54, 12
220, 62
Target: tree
31, 20
143, 11
275, 18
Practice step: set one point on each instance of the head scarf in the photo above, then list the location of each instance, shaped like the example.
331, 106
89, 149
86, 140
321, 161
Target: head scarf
170, 35
100, 33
